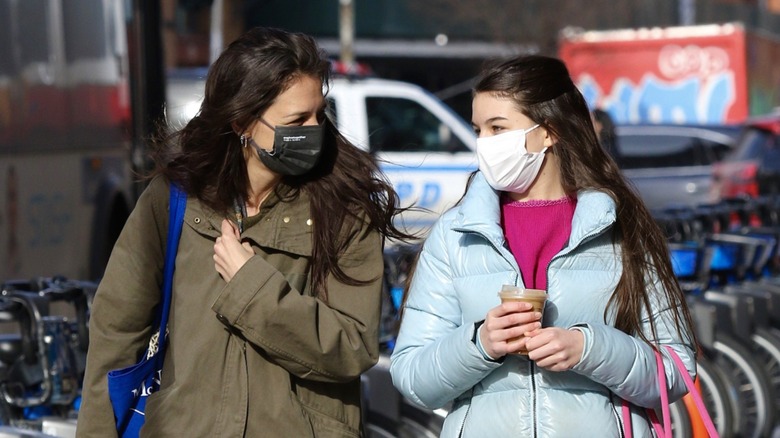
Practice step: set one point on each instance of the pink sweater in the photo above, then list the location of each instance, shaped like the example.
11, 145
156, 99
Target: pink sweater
535, 232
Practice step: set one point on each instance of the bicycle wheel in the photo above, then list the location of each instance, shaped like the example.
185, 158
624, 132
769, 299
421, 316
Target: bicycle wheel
6, 414
719, 396
766, 345
755, 394
412, 429
420, 423
681, 420
375, 431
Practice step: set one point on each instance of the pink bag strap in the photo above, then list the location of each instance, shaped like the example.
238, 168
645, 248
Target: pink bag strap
627, 428
665, 430
659, 362
705, 416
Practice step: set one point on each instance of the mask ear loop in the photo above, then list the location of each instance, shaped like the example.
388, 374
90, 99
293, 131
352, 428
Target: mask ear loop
272, 152
531, 128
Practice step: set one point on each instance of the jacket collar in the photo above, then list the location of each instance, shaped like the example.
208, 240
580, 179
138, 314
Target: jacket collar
480, 212
285, 224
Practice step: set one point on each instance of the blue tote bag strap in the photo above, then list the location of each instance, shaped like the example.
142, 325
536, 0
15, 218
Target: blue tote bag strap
128, 388
178, 205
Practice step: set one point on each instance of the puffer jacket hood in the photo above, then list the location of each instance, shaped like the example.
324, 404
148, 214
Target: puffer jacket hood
461, 268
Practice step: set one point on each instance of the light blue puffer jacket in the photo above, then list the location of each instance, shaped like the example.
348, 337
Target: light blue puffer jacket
464, 262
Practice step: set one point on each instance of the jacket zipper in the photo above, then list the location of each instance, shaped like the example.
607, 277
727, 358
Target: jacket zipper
619, 420
584, 240
547, 277
533, 396
465, 416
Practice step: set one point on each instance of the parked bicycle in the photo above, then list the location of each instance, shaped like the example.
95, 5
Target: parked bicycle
725, 256
43, 355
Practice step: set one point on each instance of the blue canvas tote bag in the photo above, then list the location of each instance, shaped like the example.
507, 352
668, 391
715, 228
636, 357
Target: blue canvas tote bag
128, 388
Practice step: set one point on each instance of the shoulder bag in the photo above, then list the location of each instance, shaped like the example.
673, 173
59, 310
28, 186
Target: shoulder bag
129, 387
664, 430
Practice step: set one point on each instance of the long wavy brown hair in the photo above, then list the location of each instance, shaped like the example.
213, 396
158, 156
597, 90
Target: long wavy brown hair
542, 89
207, 160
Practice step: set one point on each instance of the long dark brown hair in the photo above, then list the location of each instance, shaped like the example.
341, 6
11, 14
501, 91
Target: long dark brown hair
542, 89
207, 160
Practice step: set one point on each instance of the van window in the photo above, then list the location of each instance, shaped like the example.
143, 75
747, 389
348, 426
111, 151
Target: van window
767, 151
35, 41
719, 150
84, 25
402, 125
644, 151
7, 58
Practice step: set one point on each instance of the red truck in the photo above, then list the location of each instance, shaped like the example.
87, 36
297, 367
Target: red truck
704, 74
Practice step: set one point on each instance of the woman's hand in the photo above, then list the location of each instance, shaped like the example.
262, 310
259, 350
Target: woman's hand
229, 253
555, 348
504, 324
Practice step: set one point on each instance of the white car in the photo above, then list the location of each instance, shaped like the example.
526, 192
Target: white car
672, 165
425, 149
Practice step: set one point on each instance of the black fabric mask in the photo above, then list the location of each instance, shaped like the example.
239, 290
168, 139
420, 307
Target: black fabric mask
296, 150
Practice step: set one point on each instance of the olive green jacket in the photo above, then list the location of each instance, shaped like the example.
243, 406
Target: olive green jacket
259, 356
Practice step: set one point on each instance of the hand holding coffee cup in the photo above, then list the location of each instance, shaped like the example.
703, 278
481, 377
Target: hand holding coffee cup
504, 326
535, 297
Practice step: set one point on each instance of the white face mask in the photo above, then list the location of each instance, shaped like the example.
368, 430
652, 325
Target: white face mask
506, 163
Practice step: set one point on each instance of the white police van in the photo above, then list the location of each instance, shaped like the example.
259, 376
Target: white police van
425, 149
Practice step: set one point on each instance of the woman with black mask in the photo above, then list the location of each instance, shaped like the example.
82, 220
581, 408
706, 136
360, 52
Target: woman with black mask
276, 294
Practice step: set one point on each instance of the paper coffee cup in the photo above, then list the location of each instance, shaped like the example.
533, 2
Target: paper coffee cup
536, 297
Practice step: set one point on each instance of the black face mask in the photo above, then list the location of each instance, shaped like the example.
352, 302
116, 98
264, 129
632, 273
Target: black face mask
296, 150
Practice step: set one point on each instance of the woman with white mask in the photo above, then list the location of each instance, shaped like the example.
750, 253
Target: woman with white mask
548, 209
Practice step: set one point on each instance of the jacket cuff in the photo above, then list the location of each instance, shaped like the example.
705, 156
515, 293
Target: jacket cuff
241, 290
477, 340
588, 339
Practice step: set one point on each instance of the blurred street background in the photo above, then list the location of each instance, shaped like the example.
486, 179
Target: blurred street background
684, 94
440, 44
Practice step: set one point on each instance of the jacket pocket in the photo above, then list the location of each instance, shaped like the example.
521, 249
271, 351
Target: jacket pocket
325, 426
331, 407
157, 414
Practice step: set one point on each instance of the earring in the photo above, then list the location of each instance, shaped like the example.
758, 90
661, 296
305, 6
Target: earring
244, 140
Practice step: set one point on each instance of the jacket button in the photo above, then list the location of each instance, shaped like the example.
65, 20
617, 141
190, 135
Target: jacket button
286, 220
308, 222
197, 220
